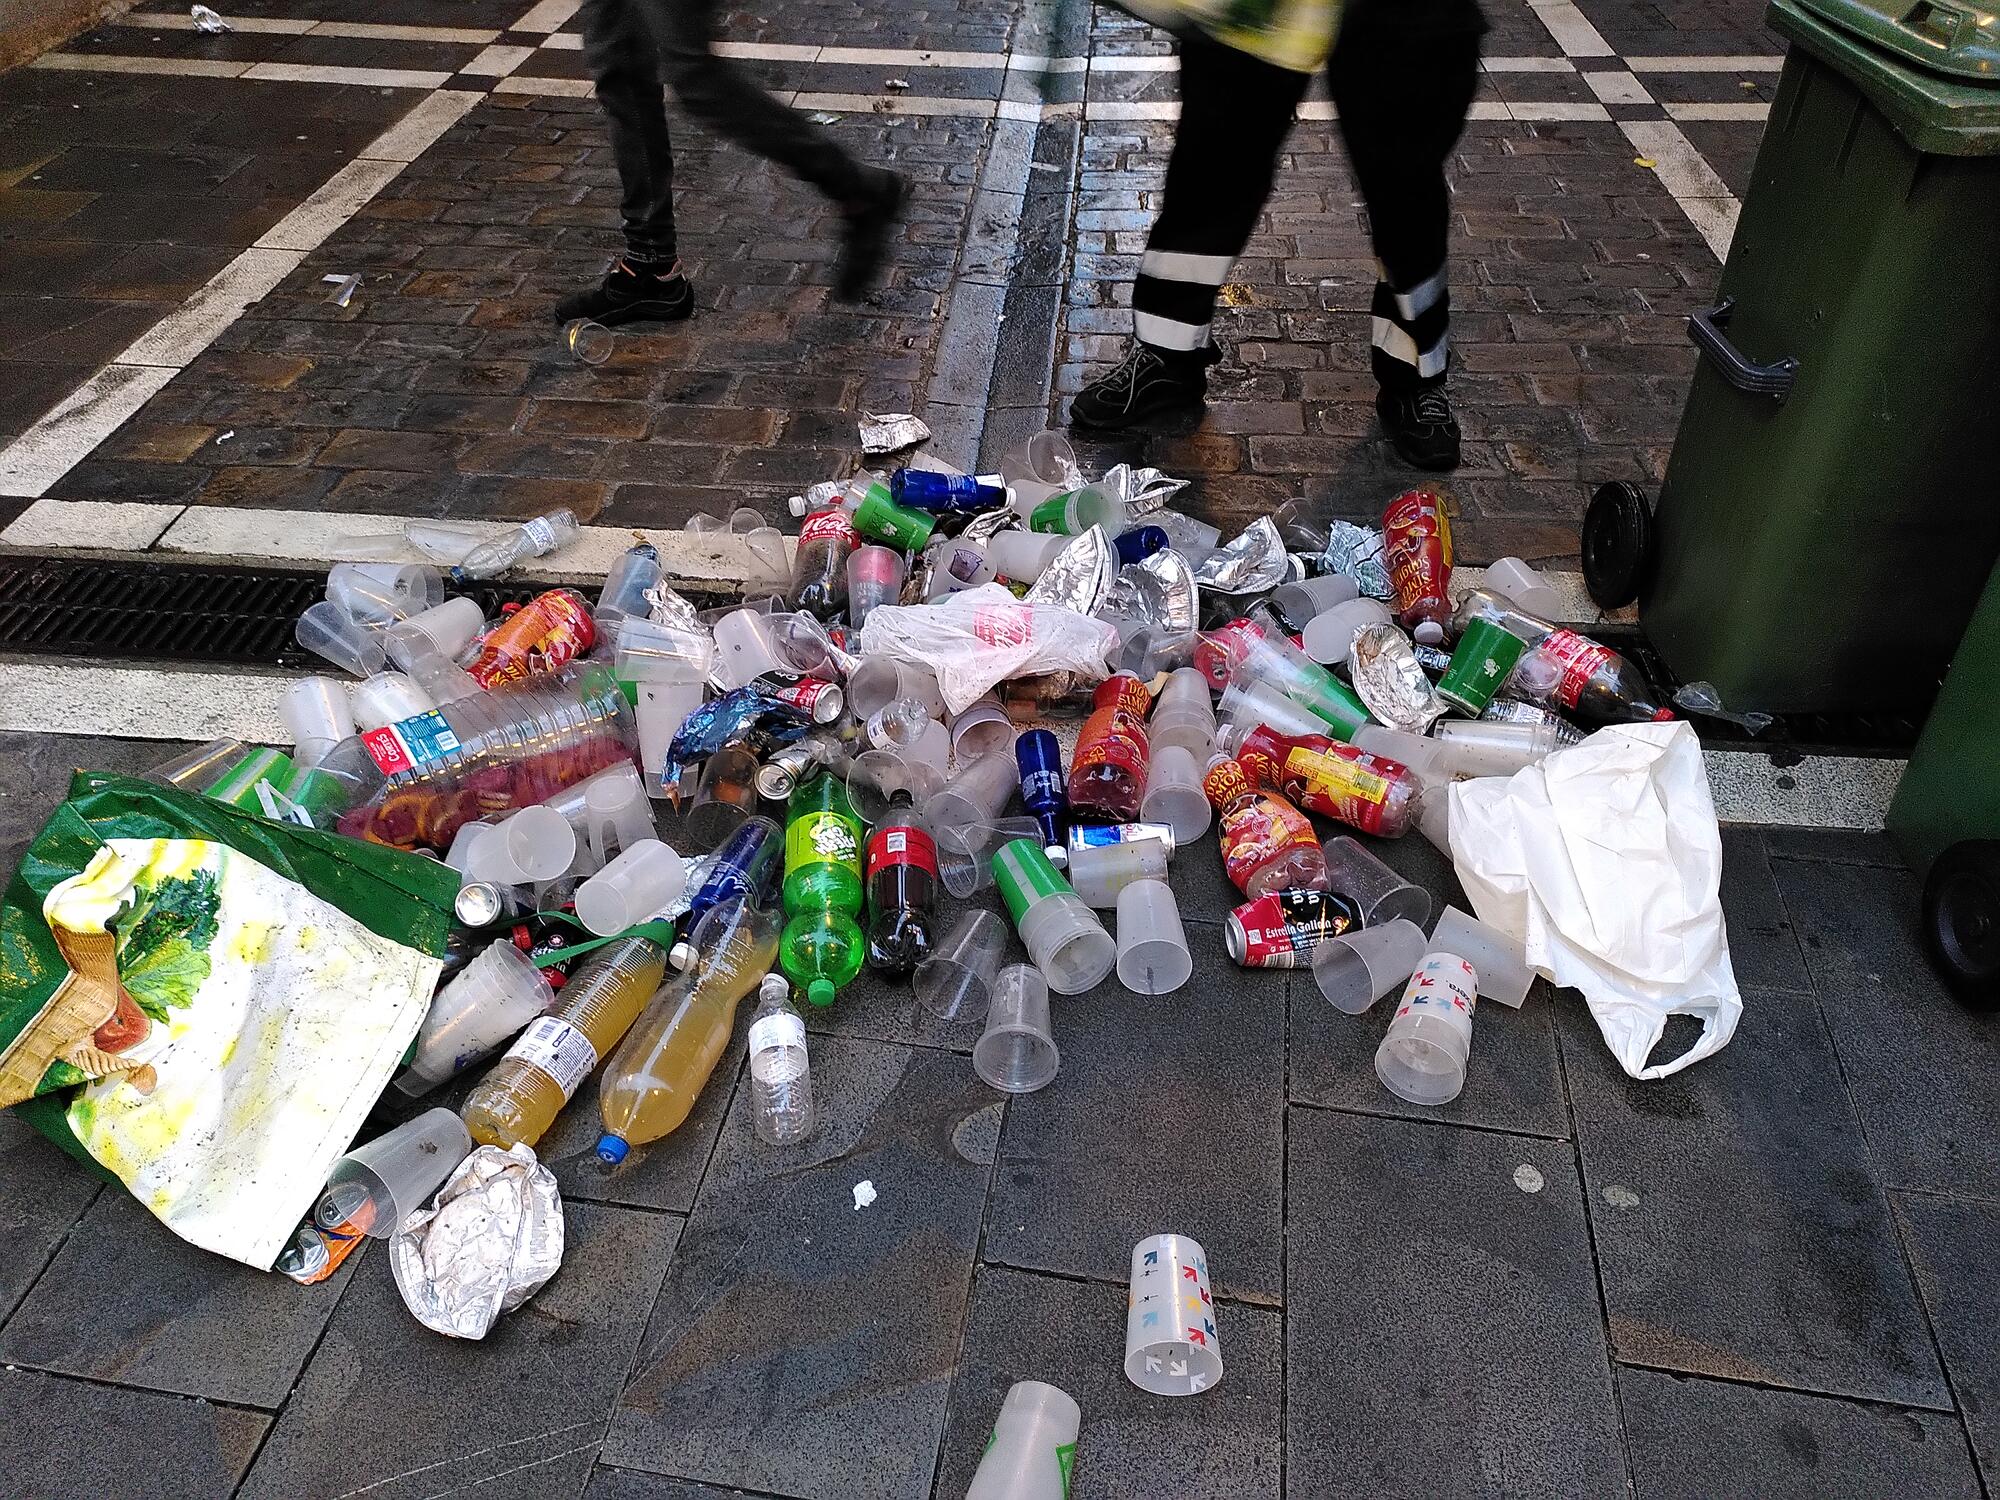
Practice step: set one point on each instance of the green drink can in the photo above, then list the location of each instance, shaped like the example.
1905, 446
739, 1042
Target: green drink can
1485, 656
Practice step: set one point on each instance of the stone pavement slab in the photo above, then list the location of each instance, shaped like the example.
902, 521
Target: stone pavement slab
1763, 947
801, 1344
1707, 1440
390, 1409
184, 1321
1190, 1144
68, 1437
1442, 1329
631, 1484
1951, 1248
1739, 1231
1131, 1446
42, 1193
1919, 1065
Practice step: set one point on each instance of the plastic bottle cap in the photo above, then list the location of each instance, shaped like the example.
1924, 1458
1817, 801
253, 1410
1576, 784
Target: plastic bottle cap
681, 956
611, 1150
820, 992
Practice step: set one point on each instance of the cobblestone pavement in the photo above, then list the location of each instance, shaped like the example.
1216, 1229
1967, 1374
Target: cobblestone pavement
1762, 1278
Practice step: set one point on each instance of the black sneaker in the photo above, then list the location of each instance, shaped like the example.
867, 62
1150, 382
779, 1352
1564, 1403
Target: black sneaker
1420, 426
864, 245
1149, 382
632, 294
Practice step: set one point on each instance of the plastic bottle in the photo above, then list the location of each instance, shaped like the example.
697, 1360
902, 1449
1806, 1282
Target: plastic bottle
743, 868
548, 632
896, 724
520, 1097
924, 489
822, 946
1368, 792
819, 568
1107, 776
781, 1096
1416, 544
902, 891
1140, 543
1038, 755
624, 591
536, 538
873, 512
1267, 844
657, 1073
1565, 669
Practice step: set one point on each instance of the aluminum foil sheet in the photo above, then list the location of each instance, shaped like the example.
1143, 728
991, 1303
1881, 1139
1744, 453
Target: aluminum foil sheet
1079, 575
1149, 490
989, 524
1357, 552
666, 605
1252, 564
493, 1240
1180, 608
1390, 682
887, 432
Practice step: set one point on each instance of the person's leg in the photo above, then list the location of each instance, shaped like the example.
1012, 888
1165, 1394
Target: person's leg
1235, 113
717, 91
622, 55
1402, 81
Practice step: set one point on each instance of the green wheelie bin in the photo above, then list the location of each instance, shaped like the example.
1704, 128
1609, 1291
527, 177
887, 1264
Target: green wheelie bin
1832, 502
1951, 790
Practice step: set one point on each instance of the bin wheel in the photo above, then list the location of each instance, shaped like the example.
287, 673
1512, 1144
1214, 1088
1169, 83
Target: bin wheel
1962, 920
1617, 544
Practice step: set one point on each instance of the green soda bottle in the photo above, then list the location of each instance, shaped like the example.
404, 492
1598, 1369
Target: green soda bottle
822, 946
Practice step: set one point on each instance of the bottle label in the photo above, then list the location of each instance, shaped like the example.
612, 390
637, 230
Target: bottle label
413, 742
1221, 648
779, 1029
1580, 659
828, 525
901, 846
545, 633
1041, 789
1417, 546
1114, 734
1026, 877
541, 534
1256, 832
822, 838
1344, 786
558, 1049
1225, 783
1281, 930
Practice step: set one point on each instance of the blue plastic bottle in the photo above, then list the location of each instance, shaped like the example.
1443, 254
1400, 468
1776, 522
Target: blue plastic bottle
744, 868
1039, 755
1140, 543
920, 489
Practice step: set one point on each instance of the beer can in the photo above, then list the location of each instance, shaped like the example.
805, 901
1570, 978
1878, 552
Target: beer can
1281, 930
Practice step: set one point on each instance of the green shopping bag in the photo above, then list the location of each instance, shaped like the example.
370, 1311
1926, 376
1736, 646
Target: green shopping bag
206, 1004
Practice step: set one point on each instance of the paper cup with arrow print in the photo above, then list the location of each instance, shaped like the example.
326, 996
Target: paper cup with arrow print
1171, 1348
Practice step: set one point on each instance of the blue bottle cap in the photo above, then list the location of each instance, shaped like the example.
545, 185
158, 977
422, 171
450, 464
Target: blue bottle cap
611, 1150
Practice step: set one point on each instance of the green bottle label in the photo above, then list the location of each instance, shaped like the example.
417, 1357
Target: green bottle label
1025, 876
822, 838
883, 520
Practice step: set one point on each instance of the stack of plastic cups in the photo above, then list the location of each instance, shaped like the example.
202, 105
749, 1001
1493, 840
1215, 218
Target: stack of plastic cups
1329, 637
639, 883
973, 799
963, 865
485, 1003
1153, 957
1174, 795
1017, 1052
1029, 1455
1301, 603
1254, 703
382, 593
874, 577
1358, 968
1184, 715
532, 845
388, 698
1422, 1058
317, 712
956, 982
328, 631
668, 666
1500, 962
1023, 555
377, 1186
1063, 936
1380, 893
1099, 872
1481, 748
745, 648
427, 647
616, 813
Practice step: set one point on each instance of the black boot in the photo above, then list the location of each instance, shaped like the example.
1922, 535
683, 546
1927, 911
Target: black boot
632, 293
864, 244
1150, 381
1420, 426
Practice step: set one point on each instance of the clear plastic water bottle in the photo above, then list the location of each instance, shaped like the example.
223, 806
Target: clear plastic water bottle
781, 1100
536, 538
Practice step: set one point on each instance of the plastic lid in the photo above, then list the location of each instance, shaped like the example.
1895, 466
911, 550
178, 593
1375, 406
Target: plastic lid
611, 1150
1955, 37
681, 955
1929, 69
820, 992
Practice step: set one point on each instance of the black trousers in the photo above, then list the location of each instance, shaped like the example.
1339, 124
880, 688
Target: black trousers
632, 48
1402, 76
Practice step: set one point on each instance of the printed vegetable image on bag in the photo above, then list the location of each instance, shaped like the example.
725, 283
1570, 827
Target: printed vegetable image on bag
207, 1004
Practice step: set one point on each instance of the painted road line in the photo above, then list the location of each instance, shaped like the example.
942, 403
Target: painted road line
107, 525
1575, 35
1685, 173
497, 61
547, 88
1617, 87
547, 15
375, 31
386, 78
190, 328
1527, 65
1559, 110
182, 67
1735, 110
154, 20
67, 433
1725, 64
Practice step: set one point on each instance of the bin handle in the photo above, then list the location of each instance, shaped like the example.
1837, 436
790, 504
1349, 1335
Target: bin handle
1773, 380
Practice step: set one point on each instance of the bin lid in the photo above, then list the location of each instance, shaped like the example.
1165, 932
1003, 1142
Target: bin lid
1940, 112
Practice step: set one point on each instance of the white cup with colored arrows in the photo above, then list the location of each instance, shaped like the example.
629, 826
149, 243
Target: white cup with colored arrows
1171, 1347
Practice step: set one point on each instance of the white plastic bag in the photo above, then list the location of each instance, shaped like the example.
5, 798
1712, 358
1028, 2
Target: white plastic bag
1605, 861
976, 639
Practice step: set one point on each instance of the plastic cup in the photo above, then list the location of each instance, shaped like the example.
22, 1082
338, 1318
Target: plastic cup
932, 748
982, 729
1063, 936
881, 680
1298, 604
1100, 872
1153, 957
1254, 703
377, 1186
1513, 579
1490, 748
1184, 714
963, 865
1419, 752
1174, 795
874, 577
380, 593
591, 343
745, 648
659, 711
648, 651
539, 843
449, 626
1485, 657
973, 799
1329, 636
317, 708
956, 981
617, 814
1358, 968
1016, 1054
1423, 1055
1500, 962
1171, 1347
1382, 894
389, 698
642, 881
726, 795
880, 781
488, 1000
1023, 555
1028, 1457
328, 631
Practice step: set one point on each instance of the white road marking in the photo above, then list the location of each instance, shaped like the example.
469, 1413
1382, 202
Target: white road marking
154, 20
176, 339
106, 525
1726, 64
547, 15
1575, 35
497, 61
386, 78
1752, 109
1616, 87
1527, 65
76, 425
1704, 197
548, 88
1562, 109
106, 62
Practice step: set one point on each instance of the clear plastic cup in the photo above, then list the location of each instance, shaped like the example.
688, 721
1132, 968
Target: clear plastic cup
1016, 1054
1298, 604
932, 748
745, 648
1030, 1453
639, 883
379, 1185
1254, 703
881, 680
963, 864
1423, 1055
378, 593
449, 626
1514, 580
485, 1003
328, 631
1171, 1346
1419, 752
317, 708
983, 729
648, 651
388, 698
1174, 795
199, 769
879, 781
974, 798
1064, 937
1099, 872
1358, 968
659, 710
617, 814
1153, 957
1500, 962
956, 981
726, 795
1184, 715
1329, 636
1482, 747
874, 577
1382, 894
1023, 555
539, 843
591, 343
